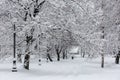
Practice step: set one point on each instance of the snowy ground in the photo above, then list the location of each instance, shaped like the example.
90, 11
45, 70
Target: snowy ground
77, 69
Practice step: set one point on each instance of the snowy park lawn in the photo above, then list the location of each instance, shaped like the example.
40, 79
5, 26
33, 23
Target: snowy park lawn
77, 69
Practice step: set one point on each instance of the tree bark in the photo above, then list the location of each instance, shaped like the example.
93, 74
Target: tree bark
58, 51
83, 54
117, 59
27, 60
19, 58
58, 56
102, 62
64, 54
49, 58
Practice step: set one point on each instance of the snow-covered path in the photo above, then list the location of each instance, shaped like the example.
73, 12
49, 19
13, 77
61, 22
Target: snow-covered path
78, 69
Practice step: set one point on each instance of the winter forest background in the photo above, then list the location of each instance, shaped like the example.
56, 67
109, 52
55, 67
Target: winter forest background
57, 30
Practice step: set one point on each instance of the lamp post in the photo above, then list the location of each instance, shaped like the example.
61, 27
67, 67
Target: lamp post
14, 69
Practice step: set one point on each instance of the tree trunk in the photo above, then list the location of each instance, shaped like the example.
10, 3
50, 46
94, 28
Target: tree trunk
49, 58
102, 62
58, 51
58, 56
19, 58
83, 55
27, 60
64, 54
117, 58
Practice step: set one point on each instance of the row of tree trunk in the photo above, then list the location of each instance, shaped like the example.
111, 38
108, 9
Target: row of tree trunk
27, 59
58, 55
